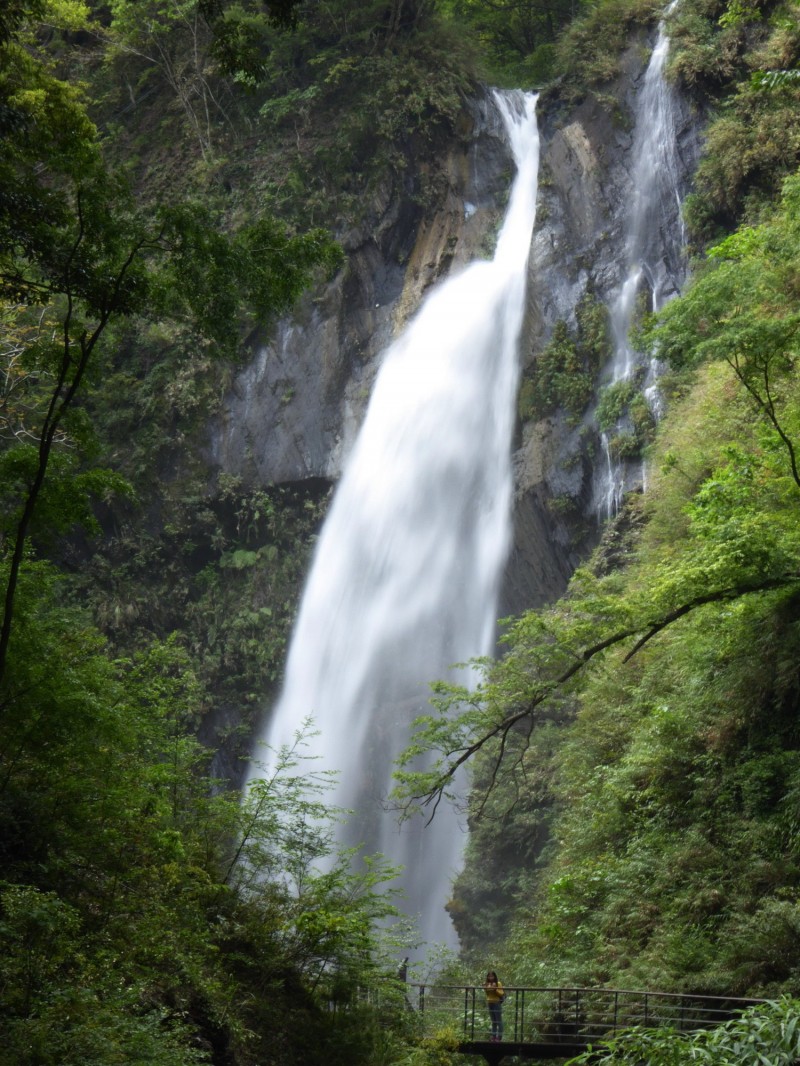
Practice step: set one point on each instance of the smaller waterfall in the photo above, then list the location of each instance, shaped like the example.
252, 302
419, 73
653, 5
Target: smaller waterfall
654, 243
405, 578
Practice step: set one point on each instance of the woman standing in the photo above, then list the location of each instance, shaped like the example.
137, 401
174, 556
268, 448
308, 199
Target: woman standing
494, 1000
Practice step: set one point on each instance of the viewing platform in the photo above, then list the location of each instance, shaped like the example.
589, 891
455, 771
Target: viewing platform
559, 1023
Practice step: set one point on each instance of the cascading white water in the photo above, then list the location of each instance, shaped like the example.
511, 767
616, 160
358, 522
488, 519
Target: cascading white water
405, 578
655, 238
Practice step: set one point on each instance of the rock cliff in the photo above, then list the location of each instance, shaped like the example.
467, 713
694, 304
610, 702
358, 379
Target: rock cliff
293, 412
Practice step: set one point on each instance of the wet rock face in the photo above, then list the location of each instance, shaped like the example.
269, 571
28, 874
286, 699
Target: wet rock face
578, 247
294, 411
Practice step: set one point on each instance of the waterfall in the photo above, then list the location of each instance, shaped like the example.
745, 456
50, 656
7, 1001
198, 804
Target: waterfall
405, 577
654, 248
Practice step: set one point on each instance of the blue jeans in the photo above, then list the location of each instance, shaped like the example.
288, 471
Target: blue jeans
496, 1014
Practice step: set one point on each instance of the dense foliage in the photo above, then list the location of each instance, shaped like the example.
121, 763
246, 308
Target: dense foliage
767, 1035
147, 914
738, 56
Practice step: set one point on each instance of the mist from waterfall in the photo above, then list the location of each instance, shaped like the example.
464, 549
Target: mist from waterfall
654, 247
405, 578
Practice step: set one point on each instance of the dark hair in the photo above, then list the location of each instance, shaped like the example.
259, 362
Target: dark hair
491, 975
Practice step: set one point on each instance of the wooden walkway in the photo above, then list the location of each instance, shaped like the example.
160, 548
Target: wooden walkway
494, 1053
558, 1023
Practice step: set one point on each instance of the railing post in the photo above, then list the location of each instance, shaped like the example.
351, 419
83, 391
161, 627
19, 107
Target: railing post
577, 1010
466, 1011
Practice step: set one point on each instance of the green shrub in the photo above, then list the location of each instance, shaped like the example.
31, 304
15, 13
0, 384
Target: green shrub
763, 1035
563, 374
613, 402
589, 50
751, 142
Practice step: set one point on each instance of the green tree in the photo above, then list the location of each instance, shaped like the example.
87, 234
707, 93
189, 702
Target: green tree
517, 35
174, 38
146, 912
76, 255
639, 737
743, 308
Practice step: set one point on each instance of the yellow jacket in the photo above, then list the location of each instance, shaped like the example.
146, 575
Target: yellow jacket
494, 993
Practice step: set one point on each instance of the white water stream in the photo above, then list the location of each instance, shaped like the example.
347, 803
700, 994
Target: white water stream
405, 578
654, 242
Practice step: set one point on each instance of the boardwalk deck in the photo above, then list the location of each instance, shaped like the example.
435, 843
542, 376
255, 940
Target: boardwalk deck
535, 1052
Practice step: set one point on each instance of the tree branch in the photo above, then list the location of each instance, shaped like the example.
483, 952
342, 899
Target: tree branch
459, 756
767, 407
61, 399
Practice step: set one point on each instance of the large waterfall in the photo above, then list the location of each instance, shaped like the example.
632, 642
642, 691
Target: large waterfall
405, 578
654, 244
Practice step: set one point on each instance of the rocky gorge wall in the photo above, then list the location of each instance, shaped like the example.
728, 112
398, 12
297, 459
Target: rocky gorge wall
589, 154
293, 412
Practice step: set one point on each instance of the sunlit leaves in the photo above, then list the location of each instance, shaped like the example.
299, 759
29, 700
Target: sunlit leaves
766, 1035
774, 79
743, 308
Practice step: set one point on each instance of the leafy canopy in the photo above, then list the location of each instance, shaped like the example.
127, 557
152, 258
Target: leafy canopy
76, 255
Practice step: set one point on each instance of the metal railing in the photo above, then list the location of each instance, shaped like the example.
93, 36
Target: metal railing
569, 1016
